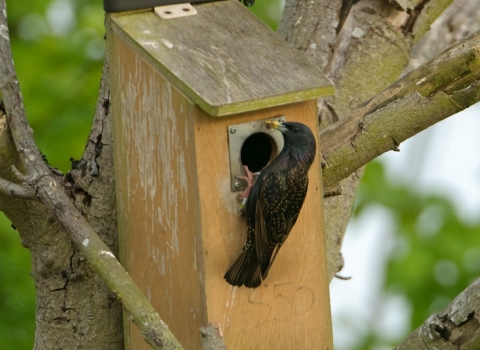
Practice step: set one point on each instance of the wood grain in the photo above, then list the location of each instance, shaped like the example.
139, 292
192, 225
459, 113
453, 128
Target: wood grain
291, 309
156, 194
224, 58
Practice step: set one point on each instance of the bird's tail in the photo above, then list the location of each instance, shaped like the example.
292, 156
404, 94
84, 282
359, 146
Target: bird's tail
245, 270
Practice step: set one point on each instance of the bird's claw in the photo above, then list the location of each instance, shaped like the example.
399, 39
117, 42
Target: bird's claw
249, 180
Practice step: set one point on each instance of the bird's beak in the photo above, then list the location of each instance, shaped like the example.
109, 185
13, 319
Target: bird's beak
269, 124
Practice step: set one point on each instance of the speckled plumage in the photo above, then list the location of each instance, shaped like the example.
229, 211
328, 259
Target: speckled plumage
273, 205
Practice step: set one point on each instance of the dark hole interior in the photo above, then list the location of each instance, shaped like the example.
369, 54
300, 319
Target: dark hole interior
257, 151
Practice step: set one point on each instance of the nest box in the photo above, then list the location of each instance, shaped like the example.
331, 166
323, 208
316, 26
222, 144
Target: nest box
189, 97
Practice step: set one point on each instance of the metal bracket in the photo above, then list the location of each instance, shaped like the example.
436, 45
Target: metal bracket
175, 11
237, 134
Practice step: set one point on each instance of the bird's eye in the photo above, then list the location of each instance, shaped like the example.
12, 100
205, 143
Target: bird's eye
295, 129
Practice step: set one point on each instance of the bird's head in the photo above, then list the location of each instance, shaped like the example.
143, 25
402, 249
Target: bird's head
298, 137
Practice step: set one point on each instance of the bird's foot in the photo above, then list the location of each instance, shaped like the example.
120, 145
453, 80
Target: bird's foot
244, 195
248, 178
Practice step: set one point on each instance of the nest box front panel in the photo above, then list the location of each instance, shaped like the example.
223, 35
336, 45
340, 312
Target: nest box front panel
290, 310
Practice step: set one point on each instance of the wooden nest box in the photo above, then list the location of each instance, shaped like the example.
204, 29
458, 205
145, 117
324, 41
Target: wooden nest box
189, 97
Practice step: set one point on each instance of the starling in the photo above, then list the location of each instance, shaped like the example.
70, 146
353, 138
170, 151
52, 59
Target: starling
273, 204
344, 11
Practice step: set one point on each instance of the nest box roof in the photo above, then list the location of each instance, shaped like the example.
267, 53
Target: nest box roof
224, 59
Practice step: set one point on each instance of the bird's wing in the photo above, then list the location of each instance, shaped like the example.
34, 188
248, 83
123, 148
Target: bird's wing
273, 218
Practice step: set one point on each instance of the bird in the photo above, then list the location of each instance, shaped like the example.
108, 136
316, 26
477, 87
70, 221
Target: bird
344, 11
273, 204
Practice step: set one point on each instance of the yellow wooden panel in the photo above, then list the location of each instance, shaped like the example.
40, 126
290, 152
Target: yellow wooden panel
291, 309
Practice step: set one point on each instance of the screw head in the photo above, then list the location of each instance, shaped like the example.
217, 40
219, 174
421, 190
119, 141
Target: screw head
233, 131
236, 185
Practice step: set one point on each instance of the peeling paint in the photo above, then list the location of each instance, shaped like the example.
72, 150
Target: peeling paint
162, 265
195, 252
167, 43
228, 307
183, 176
154, 162
151, 43
154, 255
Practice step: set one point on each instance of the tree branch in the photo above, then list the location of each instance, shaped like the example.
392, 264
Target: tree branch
212, 338
369, 54
436, 90
50, 192
9, 188
18, 191
456, 327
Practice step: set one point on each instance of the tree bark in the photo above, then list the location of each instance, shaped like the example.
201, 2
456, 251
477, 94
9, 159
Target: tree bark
456, 327
74, 307
370, 53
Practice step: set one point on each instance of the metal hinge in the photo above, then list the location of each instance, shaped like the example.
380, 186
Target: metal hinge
175, 11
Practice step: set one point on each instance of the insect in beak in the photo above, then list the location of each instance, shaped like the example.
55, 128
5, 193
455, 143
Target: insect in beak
272, 124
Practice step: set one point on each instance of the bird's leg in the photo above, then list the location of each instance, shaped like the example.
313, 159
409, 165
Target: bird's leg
249, 180
244, 195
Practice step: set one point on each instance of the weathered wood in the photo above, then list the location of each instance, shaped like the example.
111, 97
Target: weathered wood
224, 59
156, 194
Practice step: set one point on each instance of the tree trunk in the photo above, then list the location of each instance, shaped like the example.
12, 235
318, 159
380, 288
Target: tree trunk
75, 310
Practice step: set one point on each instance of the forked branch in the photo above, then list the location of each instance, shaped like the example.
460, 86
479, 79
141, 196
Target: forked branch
445, 85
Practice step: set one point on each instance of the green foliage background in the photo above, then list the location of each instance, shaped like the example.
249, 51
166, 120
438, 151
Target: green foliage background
435, 254
59, 72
